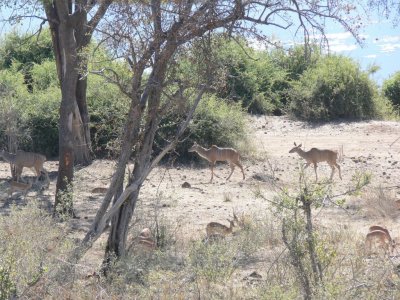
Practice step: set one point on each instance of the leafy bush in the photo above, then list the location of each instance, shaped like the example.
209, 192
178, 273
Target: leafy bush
334, 88
252, 78
391, 89
107, 110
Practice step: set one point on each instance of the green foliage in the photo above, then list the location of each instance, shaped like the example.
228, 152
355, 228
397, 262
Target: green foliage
391, 89
12, 94
44, 75
107, 110
334, 88
296, 60
252, 78
7, 286
25, 49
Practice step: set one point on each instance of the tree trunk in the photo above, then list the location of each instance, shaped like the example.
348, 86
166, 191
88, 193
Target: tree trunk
116, 243
63, 201
70, 33
82, 150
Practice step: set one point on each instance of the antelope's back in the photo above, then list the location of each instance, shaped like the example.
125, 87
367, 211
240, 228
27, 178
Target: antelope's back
323, 155
226, 154
29, 159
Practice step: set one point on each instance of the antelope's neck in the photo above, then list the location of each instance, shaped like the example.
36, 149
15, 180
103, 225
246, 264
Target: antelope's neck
302, 153
203, 152
8, 157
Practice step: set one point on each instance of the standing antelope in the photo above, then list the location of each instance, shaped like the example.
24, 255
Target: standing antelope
314, 156
215, 154
26, 159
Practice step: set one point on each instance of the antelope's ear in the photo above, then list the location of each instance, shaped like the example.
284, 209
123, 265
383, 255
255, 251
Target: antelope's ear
299, 146
294, 143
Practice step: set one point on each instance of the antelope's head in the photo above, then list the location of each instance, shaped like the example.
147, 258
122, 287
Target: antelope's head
194, 147
296, 148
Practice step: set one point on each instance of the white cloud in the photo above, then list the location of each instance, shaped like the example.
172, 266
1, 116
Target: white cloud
387, 48
341, 41
342, 47
337, 37
388, 39
371, 56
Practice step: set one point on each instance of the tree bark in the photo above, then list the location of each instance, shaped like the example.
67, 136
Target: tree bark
69, 75
70, 33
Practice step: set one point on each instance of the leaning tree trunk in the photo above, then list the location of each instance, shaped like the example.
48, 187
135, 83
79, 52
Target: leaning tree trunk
116, 243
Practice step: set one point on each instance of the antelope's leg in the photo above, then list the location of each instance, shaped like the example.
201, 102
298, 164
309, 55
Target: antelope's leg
315, 170
18, 172
37, 171
212, 171
333, 171
338, 167
241, 168
232, 169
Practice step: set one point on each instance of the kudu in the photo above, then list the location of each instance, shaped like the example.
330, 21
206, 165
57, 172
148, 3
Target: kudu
215, 154
314, 156
23, 159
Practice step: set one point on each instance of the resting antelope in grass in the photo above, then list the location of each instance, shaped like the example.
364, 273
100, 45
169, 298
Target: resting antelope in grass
26, 159
314, 156
215, 154
379, 239
377, 227
218, 229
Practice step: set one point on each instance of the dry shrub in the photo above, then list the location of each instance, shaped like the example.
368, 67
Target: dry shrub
31, 248
380, 203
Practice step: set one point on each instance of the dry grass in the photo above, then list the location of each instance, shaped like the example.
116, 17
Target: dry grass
380, 203
186, 267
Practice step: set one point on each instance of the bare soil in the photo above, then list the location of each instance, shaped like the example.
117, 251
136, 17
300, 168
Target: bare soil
369, 146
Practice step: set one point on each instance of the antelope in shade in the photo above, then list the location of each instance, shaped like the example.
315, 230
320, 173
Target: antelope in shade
215, 154
378, 239
16, 186
23, 159
314, 156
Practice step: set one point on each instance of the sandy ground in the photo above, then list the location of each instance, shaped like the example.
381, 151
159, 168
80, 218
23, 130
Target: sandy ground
369, 146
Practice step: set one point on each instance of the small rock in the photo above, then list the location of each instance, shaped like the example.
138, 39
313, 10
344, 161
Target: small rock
186, 185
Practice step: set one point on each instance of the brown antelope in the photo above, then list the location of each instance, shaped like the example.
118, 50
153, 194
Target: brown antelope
377, 227
214, 229
145, 233
215, 154
378, 238
16, 186
26, 159
314, 156
99, 190
147, 244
